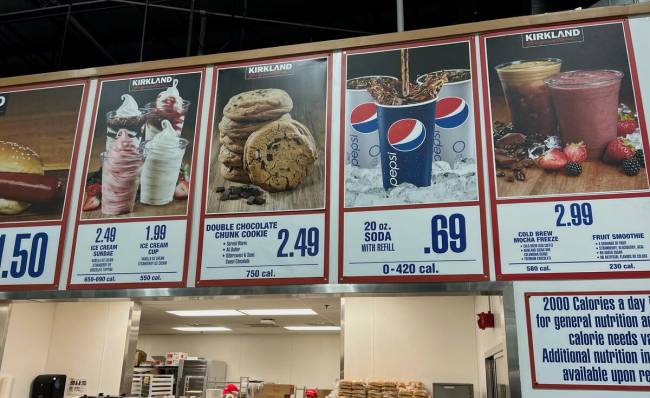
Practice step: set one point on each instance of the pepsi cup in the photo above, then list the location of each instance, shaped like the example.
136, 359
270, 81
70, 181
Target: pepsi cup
454, 138
406, 134
361, 136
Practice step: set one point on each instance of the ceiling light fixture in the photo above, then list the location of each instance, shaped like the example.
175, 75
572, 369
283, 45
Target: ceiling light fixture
280, 312
313, 328
202, 329
205, 313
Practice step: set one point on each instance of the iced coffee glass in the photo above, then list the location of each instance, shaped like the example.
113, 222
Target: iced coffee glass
586, 102
528, 98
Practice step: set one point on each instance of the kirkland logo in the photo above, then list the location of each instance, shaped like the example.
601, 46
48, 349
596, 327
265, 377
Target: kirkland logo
258, 71
149, 83
557, 36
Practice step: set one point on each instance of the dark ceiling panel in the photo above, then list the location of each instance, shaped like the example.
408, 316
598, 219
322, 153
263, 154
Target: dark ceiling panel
104, 32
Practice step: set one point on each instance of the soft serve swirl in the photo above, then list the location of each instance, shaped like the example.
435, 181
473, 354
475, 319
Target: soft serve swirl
160, 173
128, 108
120, 175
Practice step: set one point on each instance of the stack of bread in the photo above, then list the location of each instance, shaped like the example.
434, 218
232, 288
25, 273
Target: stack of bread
262, 144
352, 389
389, 389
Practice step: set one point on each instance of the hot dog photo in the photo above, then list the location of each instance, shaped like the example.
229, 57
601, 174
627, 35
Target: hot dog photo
38, 129
142, 146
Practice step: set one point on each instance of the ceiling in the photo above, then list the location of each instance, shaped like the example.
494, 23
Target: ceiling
48, 35
155, 320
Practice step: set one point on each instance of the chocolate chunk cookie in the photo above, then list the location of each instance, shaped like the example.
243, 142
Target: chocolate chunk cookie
236, 174
258, 105
234, 144
241, 130
280, 155
230, 158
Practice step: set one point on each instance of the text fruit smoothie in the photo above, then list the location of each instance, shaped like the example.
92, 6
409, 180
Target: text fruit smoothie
121, 167
164, 154
586, 102
531, 108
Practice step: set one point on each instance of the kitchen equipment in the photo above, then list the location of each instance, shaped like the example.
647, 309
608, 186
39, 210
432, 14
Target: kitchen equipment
48, 386
452, 390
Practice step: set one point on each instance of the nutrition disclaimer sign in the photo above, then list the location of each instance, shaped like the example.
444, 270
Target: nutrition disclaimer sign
589, 340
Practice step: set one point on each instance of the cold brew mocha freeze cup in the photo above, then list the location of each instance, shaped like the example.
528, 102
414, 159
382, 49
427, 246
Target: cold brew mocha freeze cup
531, 108
586, 103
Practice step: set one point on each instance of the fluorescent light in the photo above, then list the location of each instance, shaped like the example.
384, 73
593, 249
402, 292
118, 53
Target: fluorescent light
313, 328
202, 329
280, 312
206, 313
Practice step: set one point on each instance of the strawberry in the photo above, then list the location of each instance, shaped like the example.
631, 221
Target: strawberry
576, 152
91, 203
182, 190
618, 150
553, 159
626, 124
94, 189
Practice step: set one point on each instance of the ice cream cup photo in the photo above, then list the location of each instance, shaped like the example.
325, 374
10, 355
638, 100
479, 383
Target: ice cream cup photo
527, 97
163, 158
586, 104
121, 168
157, 112
406, 140
454, 117
127, 117
361, 134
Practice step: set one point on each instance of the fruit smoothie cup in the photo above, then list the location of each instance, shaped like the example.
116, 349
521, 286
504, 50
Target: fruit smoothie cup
586, 102
531, 108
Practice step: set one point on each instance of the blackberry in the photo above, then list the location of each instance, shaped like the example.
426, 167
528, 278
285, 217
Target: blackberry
631, 166
573, 169
639, 157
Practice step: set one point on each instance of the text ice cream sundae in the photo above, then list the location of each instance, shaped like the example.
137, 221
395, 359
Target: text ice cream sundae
164, 154
121, 175
169, 105
127, 117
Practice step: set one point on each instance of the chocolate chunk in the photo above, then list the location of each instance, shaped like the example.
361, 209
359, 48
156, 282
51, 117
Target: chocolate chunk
235, 190
220, 189
251, 200
504, 160
233, 196
259, 200
520, 175
511, 139
501, 174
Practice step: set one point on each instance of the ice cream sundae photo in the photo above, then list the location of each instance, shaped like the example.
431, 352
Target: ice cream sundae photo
142, 166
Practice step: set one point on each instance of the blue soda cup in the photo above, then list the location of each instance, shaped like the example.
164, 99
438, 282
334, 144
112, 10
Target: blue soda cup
406, 136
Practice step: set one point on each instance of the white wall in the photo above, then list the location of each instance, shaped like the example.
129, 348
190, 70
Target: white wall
310, 360
489, 339
430, 339
27, 344
80, 340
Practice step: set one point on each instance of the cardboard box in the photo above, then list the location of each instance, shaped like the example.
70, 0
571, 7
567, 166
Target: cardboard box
276, 391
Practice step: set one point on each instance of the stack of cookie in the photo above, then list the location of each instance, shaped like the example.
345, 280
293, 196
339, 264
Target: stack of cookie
262, 144
359, 389
389, 389
420, 393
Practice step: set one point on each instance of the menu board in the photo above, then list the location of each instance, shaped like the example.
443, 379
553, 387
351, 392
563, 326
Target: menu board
589, 340
40, 128
265, 201
411, 197
133, 222
567, 150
